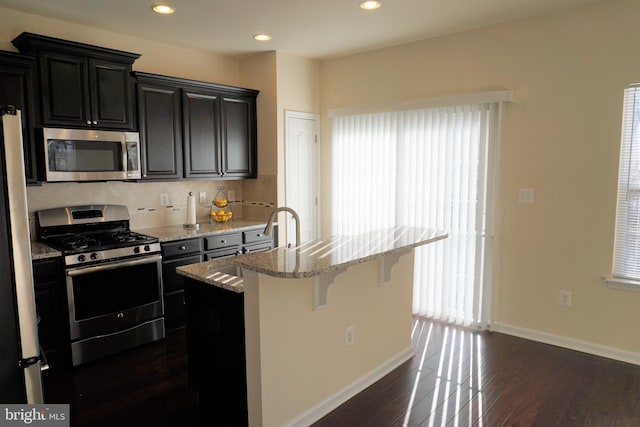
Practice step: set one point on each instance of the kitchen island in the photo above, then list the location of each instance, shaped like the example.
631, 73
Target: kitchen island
300, 330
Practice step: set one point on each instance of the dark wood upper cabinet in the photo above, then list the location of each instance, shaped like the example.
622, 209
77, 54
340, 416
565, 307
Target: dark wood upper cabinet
18, 88
218, 129
160, 125
239, 135
82, 85
201, 118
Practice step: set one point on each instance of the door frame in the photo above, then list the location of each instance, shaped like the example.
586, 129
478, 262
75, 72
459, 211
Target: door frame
289, 114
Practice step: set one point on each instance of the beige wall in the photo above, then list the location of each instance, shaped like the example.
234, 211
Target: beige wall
298, 90
286, 82
156, 57
561, 138
298, 366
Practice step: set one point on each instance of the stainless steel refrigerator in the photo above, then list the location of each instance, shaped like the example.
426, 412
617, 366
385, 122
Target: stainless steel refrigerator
20, 379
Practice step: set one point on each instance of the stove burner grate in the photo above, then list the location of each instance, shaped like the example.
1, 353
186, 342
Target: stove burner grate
79, 242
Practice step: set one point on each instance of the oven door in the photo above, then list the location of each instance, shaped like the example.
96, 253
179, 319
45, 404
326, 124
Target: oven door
114, 296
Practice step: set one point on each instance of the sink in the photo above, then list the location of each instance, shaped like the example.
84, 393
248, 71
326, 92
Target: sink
229, 269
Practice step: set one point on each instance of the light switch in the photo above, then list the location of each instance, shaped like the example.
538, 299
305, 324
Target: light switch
525, 195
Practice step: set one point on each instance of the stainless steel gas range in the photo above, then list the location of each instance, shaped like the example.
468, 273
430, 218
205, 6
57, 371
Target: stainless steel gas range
113, 278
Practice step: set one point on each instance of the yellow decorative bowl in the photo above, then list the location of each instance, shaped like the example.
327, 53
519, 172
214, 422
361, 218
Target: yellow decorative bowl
221, 203
221, 217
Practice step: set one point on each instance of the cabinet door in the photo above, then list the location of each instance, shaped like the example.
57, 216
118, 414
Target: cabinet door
111, 94
51, 307
201, 112
65, 90
160, 131
174, 311
17, 88
171, 280
239, 137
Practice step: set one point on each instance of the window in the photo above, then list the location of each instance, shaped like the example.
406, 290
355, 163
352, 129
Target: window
425, 167
626, 257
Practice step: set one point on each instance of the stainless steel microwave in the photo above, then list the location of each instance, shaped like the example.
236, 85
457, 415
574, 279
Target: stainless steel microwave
90, 155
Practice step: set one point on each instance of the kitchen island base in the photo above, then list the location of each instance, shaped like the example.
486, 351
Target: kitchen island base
298, 364
216, 349
321, 322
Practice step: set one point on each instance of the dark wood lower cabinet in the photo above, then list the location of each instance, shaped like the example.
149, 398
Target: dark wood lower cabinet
51, 307
216, 351
193, 251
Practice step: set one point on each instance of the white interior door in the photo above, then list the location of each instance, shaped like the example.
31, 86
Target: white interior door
302, 155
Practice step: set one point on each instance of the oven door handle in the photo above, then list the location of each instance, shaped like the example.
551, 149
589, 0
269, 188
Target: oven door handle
113, 265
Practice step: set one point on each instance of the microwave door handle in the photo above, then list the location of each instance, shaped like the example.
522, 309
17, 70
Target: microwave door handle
113, 265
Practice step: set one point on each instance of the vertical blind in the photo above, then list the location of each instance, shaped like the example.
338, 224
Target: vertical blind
427, 167
626, 259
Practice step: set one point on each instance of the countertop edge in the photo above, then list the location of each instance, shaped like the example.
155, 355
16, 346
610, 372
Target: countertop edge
333, 267
204, 272
170, 233
165, 234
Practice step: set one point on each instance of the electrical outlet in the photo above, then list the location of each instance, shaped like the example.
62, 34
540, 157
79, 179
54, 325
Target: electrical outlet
164, 199
525, 195
349, 335
565, 298
203, 197
232, 195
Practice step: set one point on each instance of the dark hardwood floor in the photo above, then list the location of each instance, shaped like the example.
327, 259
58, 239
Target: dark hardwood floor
146, 386
457, 378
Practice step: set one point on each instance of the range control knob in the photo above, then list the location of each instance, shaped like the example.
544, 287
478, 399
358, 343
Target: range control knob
136, 250
94, 256
81, 258
147, 248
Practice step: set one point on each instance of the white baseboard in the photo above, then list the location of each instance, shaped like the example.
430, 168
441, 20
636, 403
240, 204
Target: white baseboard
569, 343
332, 402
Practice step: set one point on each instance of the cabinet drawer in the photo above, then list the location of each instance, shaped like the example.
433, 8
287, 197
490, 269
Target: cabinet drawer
182, 247
255, 236
259, 247
222, 241
171, 280
222, 253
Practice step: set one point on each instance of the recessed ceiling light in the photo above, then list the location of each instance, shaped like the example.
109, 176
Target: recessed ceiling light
370, 5
262, 37
163, 9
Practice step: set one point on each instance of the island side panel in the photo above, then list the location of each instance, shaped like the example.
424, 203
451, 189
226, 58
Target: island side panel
298, 357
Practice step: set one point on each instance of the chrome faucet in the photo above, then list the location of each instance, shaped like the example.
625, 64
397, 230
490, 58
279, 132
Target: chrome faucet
269, 228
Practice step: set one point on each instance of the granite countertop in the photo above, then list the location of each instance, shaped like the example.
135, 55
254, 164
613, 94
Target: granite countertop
178, 232
312, 258
167, 233
42, 251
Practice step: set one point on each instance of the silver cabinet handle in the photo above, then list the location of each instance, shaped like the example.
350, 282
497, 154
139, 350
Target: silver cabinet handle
88, 122
223, 241
44, 363
183, 248
113, 265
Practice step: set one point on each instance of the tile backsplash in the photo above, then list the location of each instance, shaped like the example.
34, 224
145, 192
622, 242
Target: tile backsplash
141, 198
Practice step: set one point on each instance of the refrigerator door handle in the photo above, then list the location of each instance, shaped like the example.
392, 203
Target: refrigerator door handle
25, 363
44, 366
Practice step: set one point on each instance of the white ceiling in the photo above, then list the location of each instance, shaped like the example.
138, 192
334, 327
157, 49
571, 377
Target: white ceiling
313, 29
